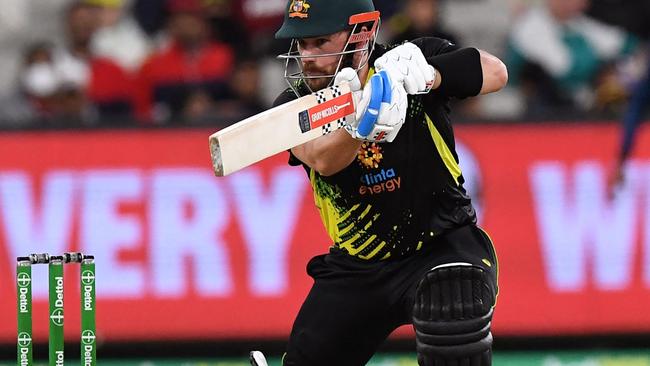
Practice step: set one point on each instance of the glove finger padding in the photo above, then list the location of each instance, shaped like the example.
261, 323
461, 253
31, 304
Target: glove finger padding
350, 76
392, 113
360, 97
414, 81
393, 63
428, 70
361, 105
407, 65
429, 74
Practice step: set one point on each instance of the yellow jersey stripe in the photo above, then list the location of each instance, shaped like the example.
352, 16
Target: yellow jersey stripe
371, 72
328, 212
347, 214
348, 243
374, 251
495, 258
365, 212
443, 150
346, 229
361, 247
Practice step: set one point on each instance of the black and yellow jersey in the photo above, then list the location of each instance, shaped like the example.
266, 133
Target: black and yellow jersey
395, 197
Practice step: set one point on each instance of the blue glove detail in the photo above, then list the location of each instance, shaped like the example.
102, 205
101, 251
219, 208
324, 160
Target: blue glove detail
372, 112
388, 93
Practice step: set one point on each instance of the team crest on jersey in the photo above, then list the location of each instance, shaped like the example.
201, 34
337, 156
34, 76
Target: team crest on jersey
370, 155
298, 9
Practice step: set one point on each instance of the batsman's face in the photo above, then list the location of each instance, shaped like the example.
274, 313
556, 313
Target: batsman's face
312, 65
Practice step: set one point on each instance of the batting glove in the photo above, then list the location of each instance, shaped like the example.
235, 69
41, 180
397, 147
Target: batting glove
405, 64
350, 76
380, 111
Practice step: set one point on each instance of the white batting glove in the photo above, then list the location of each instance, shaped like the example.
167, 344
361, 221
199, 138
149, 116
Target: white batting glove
391, 114
405, 64
388, 116
350, 76
360, 101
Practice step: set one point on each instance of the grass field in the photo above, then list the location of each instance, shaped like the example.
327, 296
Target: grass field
563, 358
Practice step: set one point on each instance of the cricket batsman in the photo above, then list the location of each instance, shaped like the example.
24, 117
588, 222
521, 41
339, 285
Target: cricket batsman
405, 245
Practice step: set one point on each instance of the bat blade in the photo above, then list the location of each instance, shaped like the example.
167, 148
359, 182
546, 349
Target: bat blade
280, 128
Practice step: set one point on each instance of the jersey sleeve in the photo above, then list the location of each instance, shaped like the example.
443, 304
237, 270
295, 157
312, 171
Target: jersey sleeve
432, 46
460, 68
286, 96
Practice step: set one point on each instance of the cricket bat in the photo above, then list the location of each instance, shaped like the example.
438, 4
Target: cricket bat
280, 128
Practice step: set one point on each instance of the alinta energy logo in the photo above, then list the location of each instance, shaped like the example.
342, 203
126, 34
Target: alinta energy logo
373, 180
24, 339
23, 279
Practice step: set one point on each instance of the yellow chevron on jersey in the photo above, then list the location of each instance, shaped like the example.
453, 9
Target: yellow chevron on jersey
443, 150
324, 198
349, 229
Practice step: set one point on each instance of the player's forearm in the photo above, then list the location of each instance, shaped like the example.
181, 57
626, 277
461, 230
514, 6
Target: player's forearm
495, 73
329, 154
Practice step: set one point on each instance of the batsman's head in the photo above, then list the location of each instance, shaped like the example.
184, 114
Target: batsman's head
327, 35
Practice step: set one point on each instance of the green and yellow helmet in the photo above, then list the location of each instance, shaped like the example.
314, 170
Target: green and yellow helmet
313, 18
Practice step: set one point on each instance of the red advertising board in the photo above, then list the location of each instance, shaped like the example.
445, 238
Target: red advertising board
184, 255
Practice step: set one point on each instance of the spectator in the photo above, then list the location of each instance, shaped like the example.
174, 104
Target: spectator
243, 99
632, 15
635, 112
23, 22
119, 37
104, 85
67, 86
247, 25
418, 18
150, 15
558, 57
262, 18
388, 8
227, 26
193, 67
54, 98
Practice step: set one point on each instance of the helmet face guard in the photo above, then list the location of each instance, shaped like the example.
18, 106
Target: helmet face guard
293, 67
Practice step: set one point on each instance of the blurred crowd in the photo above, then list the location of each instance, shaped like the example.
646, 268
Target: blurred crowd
105, 63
